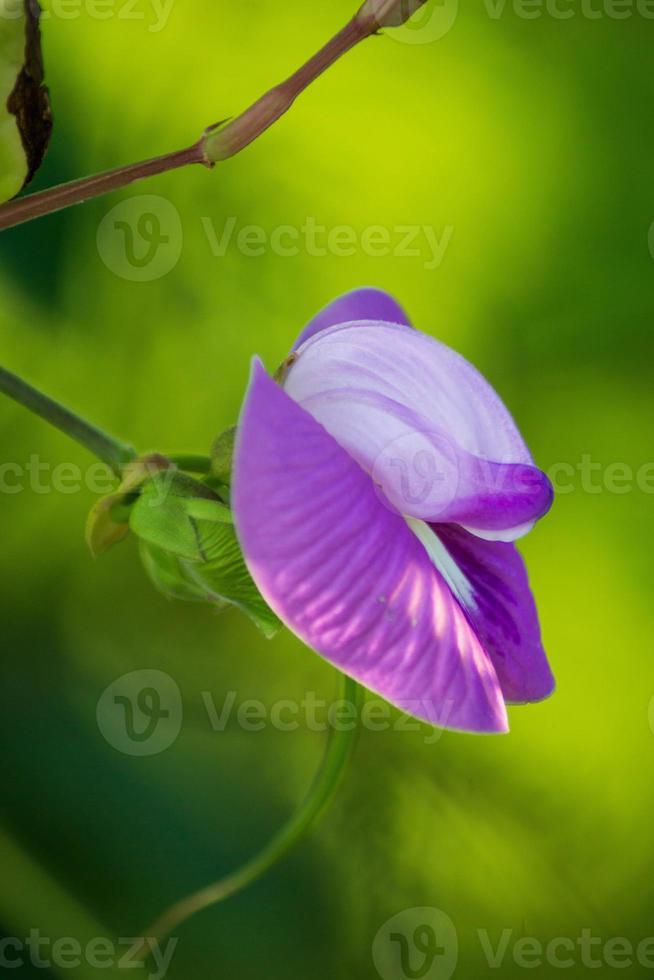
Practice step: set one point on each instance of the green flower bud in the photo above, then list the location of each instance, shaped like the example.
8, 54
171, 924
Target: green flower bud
190, 550
187, 539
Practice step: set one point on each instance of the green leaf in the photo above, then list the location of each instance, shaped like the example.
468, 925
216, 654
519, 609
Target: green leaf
25, 116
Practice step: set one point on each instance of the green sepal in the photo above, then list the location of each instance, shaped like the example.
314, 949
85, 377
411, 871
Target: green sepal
190, 549
171, 512
281, 373
225, 578
168, 575
105, 525
222, 455
222, 581
187, 539
108, 520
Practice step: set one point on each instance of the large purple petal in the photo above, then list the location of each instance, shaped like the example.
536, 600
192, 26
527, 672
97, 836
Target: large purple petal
505, 616
360, 304
412, 411
346, 574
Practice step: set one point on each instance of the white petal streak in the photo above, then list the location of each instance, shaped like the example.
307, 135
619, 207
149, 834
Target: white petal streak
444, 563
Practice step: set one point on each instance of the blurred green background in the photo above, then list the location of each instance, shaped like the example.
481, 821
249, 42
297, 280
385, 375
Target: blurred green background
531, 140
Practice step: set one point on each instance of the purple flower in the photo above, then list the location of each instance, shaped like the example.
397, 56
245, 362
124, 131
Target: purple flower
377, 493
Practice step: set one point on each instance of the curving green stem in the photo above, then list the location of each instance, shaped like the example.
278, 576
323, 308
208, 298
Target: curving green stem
110, 450
337, 754
340, 744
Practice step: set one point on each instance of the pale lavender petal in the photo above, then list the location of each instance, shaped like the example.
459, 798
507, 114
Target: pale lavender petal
418, 372
505, 616
360, 304
415, 414
422, 472
346, 574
